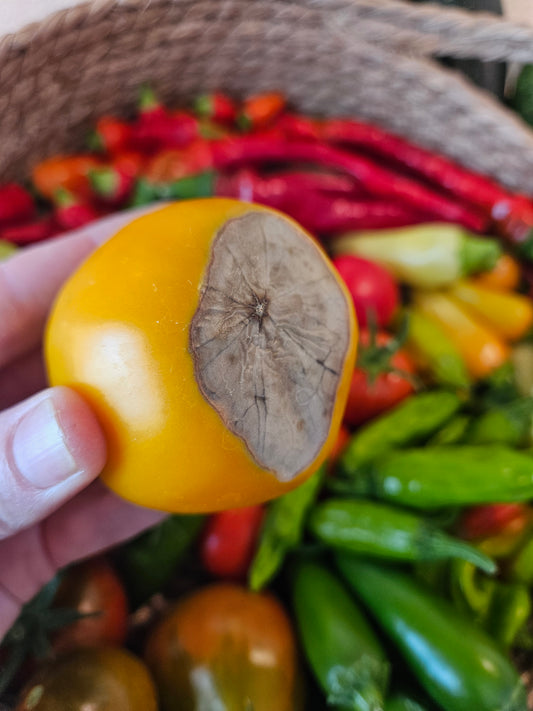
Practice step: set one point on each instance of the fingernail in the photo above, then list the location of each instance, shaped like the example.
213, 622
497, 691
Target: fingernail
40, 452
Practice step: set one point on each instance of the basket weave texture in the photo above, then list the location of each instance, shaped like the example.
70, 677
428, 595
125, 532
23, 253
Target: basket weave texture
368, 58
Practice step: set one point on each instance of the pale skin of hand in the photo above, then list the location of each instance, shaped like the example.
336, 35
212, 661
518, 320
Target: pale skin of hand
53, 510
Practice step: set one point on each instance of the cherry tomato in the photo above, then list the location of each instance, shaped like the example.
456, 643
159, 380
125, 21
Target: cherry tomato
219, 369
374, 292
379, 381
229, 541
494, 519
98, 679
225, 647
95, 589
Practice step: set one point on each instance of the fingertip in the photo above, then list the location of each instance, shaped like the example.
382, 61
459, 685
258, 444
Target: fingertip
83, 434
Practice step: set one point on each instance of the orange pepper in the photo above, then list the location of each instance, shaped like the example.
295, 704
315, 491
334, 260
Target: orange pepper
504, 276
483, 351
508, 314
68, 172
259, 110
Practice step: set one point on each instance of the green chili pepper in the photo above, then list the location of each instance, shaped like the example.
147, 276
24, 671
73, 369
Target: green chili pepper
434, 351
453, 432
455, 661
448, 476
411, 422
507, 424
147, 562
509, 611
342, 649
283, 530
384, 531
470, 590
520, 566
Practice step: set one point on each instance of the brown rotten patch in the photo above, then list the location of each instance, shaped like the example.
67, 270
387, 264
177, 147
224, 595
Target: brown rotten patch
269, 340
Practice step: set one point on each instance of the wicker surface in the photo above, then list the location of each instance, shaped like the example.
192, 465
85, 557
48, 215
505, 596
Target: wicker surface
360, 57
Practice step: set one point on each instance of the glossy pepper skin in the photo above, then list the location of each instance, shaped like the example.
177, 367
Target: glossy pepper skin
459, 666
129, 355
341, 647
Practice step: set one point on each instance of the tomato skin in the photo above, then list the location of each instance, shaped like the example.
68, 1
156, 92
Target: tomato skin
99, 679
225, 643
493, 520
366, 399
92, 587
372, 288
229, 541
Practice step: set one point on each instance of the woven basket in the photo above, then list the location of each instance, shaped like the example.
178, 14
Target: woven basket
369, 58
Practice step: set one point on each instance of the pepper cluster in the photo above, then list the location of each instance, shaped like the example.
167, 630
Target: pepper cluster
414, 542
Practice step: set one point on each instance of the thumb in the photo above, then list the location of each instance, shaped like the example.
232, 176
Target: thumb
51, 447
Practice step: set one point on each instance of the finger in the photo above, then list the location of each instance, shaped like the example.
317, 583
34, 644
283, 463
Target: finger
92, 522
22, 378
51, 447
30, 280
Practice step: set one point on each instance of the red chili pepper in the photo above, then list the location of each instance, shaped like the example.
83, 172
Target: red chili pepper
157, 128
259, 110
281, 190
71, 212
110, 135
111, 184
376, 180
298, 127
35, 231
465, 184
494, 519
16, 204
513, 218
332, 216
149, 106
229, 541
217, 107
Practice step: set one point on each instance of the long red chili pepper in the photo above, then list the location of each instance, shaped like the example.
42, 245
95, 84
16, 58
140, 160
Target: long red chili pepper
298, 127
333, 215
462, 183
377, 181
281, 190
16, 204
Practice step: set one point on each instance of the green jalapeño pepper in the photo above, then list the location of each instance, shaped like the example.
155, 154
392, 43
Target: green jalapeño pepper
411, 422
341, 647
456, 662
375, 529
449, 476
401, 702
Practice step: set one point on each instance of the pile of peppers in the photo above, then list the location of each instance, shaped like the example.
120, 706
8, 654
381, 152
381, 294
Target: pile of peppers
406, 562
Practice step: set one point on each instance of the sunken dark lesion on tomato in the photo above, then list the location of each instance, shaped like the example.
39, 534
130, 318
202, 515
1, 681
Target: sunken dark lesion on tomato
269, 340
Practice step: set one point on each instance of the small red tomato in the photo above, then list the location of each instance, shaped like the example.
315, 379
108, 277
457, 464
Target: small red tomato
494, 519
382, 378
374, 292
229, 541
92, 588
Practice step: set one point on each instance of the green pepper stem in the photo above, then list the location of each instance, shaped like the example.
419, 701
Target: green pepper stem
439, 545
478, 254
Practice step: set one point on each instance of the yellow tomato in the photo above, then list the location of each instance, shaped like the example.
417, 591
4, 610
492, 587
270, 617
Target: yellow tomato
215, 343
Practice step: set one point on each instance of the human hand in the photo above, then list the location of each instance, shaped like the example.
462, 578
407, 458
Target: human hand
52, 512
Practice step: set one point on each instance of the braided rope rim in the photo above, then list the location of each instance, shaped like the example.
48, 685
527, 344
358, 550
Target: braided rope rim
59, 75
